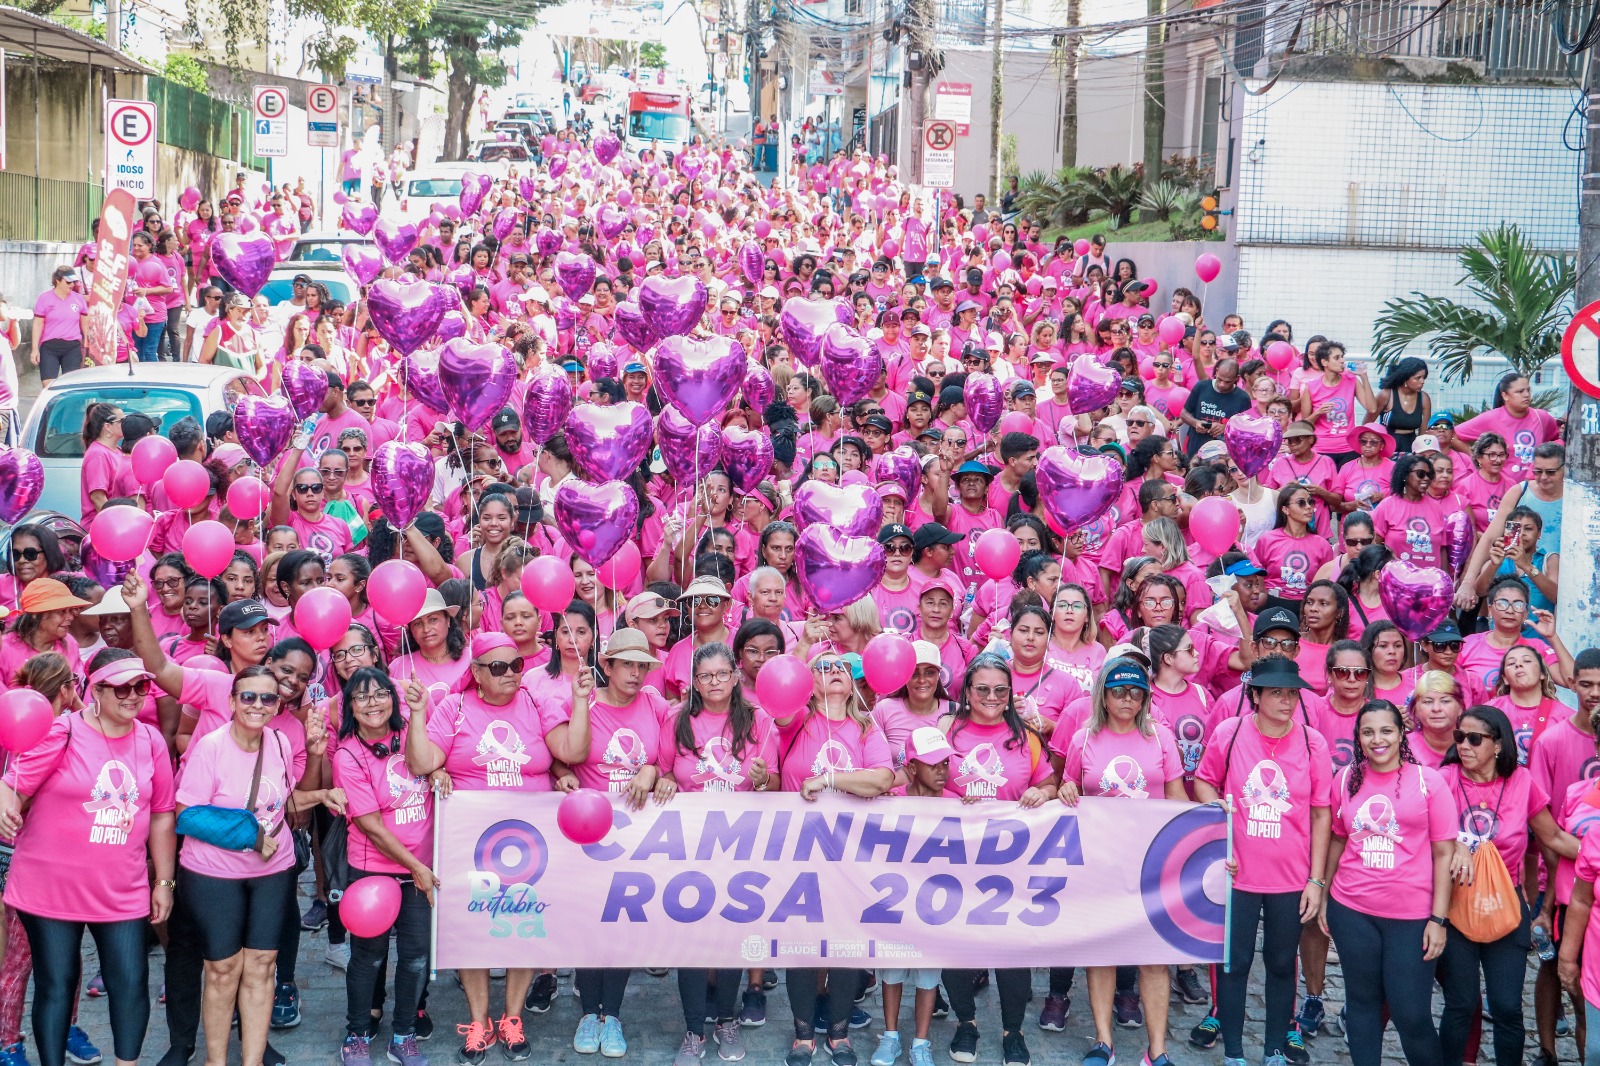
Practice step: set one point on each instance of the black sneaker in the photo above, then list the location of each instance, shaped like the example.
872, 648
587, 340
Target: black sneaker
799, 1054
754, 1013
769, 980
941, 1009
841, 1053
424, 1027
982, 981
1014, 1050
177, 1056
273, 1057
1294, 1050
865, 987
964, 1045
1188, 987
541, 993
1205, 1035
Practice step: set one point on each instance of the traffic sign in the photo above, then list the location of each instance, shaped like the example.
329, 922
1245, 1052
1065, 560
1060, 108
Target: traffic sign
952, 101
130, 139
939, 155
271, 107
322, 116
1580, 350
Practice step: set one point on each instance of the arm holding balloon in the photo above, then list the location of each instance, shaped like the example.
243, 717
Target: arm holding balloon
569, 742
283, 483
428, 559
168, 674
423, 756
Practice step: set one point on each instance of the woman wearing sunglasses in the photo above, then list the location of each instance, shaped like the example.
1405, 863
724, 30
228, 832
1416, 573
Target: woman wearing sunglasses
35, 553
489, 712
1291, 553
1359, 578
1498, 802
1411, 521
1507, 602
299, 500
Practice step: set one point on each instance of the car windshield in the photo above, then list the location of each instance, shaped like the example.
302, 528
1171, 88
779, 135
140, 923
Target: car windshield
437, 187
61, 429
509, 153
281, 289
317, 252
658, 126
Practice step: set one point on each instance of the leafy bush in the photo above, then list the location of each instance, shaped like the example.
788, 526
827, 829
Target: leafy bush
1113, 193
186, 71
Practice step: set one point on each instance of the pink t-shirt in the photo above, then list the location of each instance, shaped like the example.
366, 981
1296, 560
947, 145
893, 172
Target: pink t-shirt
1563, 756
1497, 811
217, 771
1413, 531
1529, 723
1339, 730
623, 740
327, 536
102, 468
61, 315
151, 273
1291, 563
1588, 868
1045, 691
1390, 824
1481, 659
897, 611
437, 678
1186, 714
712, 765
1333, 427
374, 785
1579, 813
1275, 782
1522, 436
990, 763
495, 748
14, 651
1364, 485
1482, 497
1127, 765
813, 744
92, 791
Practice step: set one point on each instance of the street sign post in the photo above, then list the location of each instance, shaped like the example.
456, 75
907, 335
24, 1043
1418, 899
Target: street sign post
1580, 350
131, 147
939, 155
271, 110
322, 116
952, 102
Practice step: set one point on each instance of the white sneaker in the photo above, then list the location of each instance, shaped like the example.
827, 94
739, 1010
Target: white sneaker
338, 956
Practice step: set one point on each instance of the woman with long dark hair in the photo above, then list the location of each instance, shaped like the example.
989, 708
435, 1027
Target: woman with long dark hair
1403, 405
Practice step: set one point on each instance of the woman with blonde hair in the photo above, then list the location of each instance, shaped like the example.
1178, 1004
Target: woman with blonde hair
1163, 541
1437, 703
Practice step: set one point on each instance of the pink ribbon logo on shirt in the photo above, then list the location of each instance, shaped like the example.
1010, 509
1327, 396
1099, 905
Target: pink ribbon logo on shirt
401, 782
983, 763
718, 762
1267, 786
625, 749
832, 757
1478, 827
1124, 777
115, 789
1376, 818
499, 741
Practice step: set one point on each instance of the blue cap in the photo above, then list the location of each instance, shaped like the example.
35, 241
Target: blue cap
857, 669
974, 467
1125, 673
918, 280
1243, 568
636, 367
572, 366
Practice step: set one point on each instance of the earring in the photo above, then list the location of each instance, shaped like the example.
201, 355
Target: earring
94, 709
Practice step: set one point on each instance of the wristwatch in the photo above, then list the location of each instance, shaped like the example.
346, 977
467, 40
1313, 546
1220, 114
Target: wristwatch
1440, 922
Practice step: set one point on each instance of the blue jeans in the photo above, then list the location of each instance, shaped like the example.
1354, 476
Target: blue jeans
1591, 1051
149, 345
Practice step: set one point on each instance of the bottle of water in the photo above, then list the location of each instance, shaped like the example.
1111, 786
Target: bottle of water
1543, 944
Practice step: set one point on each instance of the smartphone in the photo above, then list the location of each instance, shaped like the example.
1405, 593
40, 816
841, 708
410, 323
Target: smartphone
1507, 541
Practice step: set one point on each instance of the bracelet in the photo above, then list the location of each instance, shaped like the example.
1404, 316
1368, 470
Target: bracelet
1314, 881
166, 884
1440, 922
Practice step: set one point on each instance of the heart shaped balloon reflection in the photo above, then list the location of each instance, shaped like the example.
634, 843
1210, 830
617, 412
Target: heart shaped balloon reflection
611, 219
548, 242
407, 315
672, 306
596, 519
759, 388
851, 364
505, 220
1252, 441
395, 239
854, 510
359, 217
477, 380
752, 260
306, 388
546, 405
689, 452
903, 467
575, 274
631, 326
419, 378
362, 262
402, 478
802, 323
263, 425
746, 456
474, 187
609, 443
699, 375
606, 148
451, 326
1091, 384
836, 570
984, 405
1074, 488
1416, 598
1458, 539
244, 260
21, 483
603, 362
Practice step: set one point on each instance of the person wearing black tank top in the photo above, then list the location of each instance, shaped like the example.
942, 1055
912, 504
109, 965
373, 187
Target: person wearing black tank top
1403, 407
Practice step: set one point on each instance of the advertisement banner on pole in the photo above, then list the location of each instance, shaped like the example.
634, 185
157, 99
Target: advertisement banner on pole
130, 138
105, 286
740, 879
322, 116
952, 101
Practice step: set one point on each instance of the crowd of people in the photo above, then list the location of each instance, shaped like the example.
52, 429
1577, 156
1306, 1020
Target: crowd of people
208, 744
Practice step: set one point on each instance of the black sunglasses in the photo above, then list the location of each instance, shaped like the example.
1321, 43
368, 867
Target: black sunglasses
501, 669
1472, 740
26, 554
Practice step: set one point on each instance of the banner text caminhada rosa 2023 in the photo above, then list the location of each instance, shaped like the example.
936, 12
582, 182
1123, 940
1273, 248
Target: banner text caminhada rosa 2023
739, 880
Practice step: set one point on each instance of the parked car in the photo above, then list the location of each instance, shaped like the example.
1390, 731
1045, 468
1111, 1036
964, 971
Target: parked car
280, 283
430, 187
499, 151
164, 391
318, 247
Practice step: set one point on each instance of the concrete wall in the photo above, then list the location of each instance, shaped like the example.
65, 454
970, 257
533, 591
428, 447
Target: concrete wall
1171, 264
64, 109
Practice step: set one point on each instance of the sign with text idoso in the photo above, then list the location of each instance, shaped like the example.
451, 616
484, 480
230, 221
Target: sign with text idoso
130, 139
742, 880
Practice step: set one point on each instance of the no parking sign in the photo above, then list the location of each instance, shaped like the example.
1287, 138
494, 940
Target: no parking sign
131, 147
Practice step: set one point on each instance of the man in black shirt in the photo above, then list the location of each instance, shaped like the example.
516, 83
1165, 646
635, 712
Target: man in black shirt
1211, 402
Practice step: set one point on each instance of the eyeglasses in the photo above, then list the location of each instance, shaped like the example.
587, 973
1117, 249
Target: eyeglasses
992, 692
27, 555
1303, 501
139, 688
711, 602
1514, 606
309, 488
372, 698
831, 666
719, 677
1472, 740
167, 584
1548, 471
501, 668
1359, 542
251, 698
1165, 603
1288, 645
360, 651
897, 549
1351, 673
1137, 422
330, 473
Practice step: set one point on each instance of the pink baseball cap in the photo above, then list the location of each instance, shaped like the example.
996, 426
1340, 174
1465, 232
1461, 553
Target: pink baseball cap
942, 580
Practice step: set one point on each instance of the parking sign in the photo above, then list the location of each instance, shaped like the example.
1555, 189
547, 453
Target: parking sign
131, 147
322, 116
271, 108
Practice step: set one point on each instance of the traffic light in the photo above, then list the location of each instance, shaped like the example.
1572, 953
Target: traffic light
1211, 217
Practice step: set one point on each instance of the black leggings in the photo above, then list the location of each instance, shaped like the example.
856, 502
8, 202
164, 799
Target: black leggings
57, 947
601, 991
803, 985
1015, 988
1503, 963
369, 956
1383, 966
1280, 912
1061, 979
694, 992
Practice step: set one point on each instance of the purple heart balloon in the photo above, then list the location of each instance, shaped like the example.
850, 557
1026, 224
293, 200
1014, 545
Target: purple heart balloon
395, 239
759, 388
402, 478
746, 456
672, 306
264, 425
699, 376
632, 327
451, 326
419, 377
546, 405
1458, 539
548, 242
982, 397
596, 519
505, 220
244, 260
689, 451
802, 323
1091, 384
359, 217
606, 148
106, 572
836, 570
689, 166
407, 315
1074, 488
477, 379
851, 364
1416, 598
603, 362
854, 510
609, 443
362, 262
1252, 441
904, 467
306, 387
527, 187
462, 279
474, 187
611, 219
575, 274
21, 482
752, 260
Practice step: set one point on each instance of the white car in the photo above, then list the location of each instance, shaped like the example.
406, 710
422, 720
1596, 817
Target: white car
428, 187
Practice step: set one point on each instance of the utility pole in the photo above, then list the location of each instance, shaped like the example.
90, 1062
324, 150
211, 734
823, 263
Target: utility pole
1069, 73
1155, 89
920, 16
1578, 606
997, 97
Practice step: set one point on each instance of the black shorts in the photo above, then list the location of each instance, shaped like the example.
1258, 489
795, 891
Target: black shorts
232, 914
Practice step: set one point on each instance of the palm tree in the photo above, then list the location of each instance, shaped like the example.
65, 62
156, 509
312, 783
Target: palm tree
1521, 305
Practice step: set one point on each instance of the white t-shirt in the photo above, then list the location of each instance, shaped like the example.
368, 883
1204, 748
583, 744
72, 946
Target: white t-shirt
197, 319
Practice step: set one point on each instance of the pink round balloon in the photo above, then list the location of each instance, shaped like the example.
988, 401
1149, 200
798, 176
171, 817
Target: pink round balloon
370, 906
322, 616
1279, 355
1081, 246
25, 718
784, 685
1214, 521
997, 552
1002, 261
584, 817
151, 457
247, 497
208, 548
396, 589
891, 248
889, 660
1208, 267
1015, 422
121, 534
1171, 330
1149, 287
548, 583
187, 483
619, 571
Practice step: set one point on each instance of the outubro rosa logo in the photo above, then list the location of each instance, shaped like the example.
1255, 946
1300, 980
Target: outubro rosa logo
508, 861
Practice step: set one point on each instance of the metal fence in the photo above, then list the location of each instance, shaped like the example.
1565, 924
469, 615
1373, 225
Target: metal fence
1511, 41
200, 123
46, 209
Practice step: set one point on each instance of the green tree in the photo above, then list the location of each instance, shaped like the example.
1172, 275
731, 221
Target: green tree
466, 49
1521, 305
652, 54
331, 48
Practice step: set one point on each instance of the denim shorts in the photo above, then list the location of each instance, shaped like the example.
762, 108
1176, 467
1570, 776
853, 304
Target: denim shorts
925, 980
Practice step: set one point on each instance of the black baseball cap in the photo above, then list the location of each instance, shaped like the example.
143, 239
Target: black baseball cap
893, 530
1446, 632
930, 533
506, 419
878, 422
243, 614
1277, 673
1275, 618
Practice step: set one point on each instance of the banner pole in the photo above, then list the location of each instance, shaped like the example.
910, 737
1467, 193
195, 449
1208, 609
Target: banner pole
438, 892
1227, 904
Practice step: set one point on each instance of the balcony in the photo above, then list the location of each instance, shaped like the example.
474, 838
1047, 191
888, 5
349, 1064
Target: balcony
1505, 41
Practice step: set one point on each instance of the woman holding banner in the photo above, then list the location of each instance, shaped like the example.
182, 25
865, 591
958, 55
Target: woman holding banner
489, 734
1124, 752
